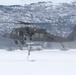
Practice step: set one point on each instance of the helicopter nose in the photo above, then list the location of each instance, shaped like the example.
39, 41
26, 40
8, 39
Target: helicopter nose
6, 35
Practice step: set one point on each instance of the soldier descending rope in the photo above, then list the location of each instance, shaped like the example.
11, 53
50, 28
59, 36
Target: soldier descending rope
29, 49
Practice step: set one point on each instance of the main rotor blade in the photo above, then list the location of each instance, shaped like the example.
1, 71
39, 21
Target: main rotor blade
28, 23
9, 22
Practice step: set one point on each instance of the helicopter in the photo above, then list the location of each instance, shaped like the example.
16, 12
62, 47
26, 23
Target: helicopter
36, 34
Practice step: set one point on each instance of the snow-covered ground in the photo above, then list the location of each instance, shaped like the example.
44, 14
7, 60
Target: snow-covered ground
45, 62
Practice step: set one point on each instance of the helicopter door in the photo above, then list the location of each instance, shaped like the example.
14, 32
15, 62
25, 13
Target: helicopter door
20, 33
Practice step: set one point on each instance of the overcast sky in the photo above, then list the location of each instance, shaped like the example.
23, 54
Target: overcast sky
22, 2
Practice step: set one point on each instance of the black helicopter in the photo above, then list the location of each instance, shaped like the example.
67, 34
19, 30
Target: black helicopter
36, 34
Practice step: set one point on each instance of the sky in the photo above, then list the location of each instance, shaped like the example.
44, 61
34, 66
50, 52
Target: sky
22, 2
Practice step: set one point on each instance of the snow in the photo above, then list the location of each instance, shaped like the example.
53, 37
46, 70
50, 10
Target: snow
46, 62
